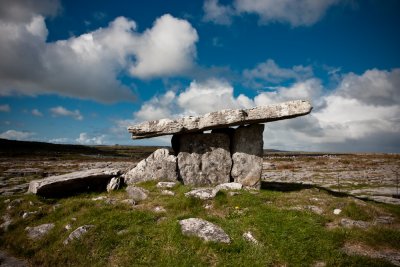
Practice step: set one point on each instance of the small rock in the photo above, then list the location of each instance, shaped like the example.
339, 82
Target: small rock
208, 206
203, 229
234, 193
14, 203
56, 206
166, 184
159, 209
248, 236
167, 193
99, 198
348, 223
315, 209
77, 233
129, 202
384, 220
68, 227
202, 193
31, 203
28, 213
337, 211
39, 231
113, 184
137, 193
7, 201
229, 186
123, 232
73, 219
319, 264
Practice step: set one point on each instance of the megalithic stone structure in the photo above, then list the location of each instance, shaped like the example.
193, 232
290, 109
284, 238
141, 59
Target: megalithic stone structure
225, 154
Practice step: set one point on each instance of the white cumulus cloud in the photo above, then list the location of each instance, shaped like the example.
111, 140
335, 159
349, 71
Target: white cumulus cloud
88, 66
61, 111
16, 135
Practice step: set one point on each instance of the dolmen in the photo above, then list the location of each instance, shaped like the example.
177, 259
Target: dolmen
207, 150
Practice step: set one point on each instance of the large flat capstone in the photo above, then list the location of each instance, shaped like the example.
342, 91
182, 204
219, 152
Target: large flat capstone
72, 183
221, 119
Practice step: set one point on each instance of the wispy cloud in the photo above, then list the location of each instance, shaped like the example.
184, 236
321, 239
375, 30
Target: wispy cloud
5, 108
86, 139
61, 111
36, 112
294, 12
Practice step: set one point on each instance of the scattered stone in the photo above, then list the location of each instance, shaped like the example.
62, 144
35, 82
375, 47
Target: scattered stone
247, 156
229, 186
72, 183
39, 231
204, 230
393, 256
160, 165
167, 193
7, 221
123, 232
77, 233
129, 202
384, 220
56, 206
349, 223
68, 227
208, 206
159, 209
113, 184
315, 209
202, 193
137, 193
204, 159
31, 203
7, 201
8, 261
248, 236
166, 184
28, 213
99, 198
319, 264
221, 119
337, 211
234, 193
14, 203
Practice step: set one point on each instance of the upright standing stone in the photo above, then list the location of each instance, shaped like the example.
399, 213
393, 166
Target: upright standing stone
204, 159
247, 155
160, 165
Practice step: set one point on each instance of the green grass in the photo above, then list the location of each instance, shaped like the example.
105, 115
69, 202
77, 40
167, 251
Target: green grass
287, 237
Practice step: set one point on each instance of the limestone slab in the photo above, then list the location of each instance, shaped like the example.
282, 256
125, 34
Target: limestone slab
221, 119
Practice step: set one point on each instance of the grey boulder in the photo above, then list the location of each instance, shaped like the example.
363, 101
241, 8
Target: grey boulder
204, 230
160, 165
77, 233
137, 193
202, 193
113, 184
39, 231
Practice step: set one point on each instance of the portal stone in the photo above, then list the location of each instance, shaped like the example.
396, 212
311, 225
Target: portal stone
247, 155
204, 159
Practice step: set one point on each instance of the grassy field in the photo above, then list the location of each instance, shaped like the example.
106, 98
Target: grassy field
289, 233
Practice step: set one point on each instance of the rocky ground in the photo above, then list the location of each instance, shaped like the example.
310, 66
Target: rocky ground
367, 176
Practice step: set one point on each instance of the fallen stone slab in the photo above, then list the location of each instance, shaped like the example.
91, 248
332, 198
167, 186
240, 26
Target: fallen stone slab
204, 230
160, 165
39, 231
166, 184
221, 119
72, 183
77, 233
229, 186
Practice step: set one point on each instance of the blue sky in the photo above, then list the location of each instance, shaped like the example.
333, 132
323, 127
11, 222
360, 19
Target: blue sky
74, 72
